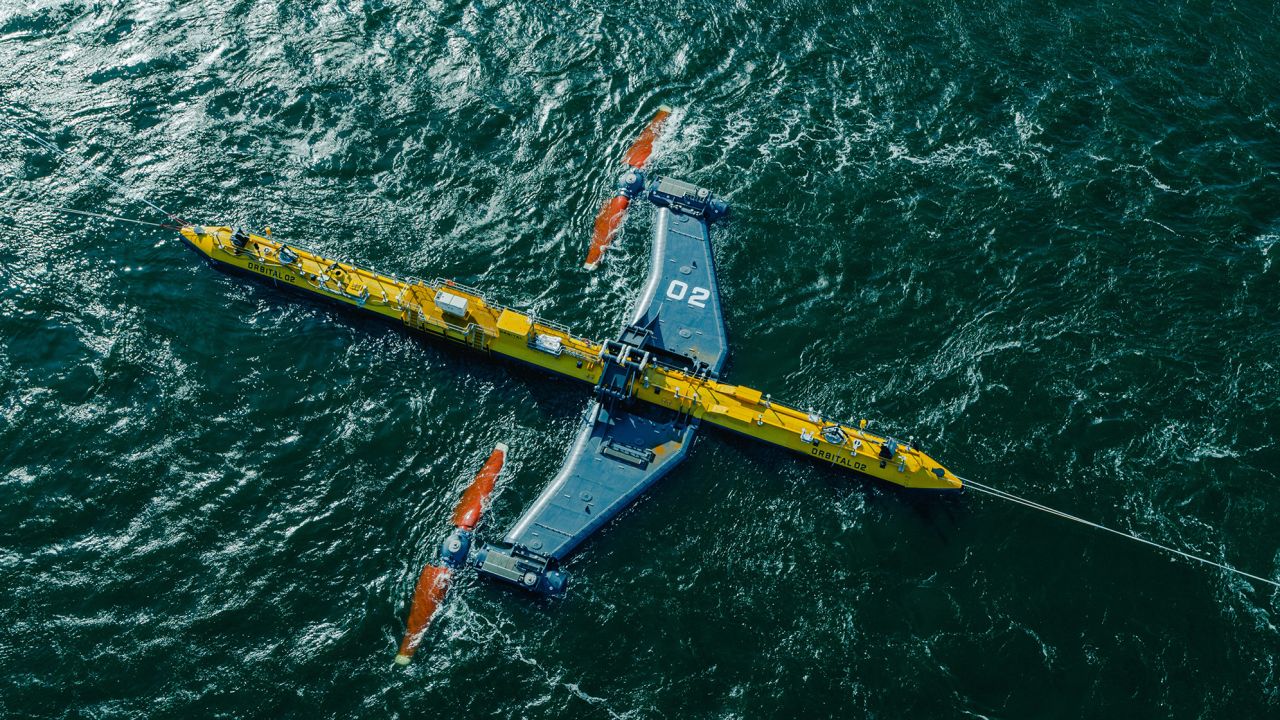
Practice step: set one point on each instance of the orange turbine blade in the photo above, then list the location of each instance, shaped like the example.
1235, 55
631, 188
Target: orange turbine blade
607, 223
467, 515
433, 583
638, 153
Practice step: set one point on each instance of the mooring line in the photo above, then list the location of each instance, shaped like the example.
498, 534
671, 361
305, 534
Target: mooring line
104, 216
83, 165
1003, 495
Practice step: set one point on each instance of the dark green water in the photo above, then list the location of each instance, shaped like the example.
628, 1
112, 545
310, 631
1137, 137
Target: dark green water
1038, 235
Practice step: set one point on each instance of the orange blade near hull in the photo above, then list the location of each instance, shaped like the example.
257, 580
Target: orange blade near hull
615, 209
433, 583
467, 515
640, 150
607, 223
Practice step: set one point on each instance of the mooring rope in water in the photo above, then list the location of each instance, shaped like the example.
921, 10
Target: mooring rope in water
83, 165
996, 492
86, 213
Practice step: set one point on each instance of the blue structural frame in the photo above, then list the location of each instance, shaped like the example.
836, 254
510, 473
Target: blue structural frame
625, 446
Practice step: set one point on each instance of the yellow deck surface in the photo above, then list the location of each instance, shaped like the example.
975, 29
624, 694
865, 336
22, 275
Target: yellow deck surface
491, 328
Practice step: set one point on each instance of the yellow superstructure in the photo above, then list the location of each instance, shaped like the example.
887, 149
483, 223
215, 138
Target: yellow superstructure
465, 316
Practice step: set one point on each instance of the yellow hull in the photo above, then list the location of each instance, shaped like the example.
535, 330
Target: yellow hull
492, 328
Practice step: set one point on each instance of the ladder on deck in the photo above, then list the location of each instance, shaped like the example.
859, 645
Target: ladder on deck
415, 297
